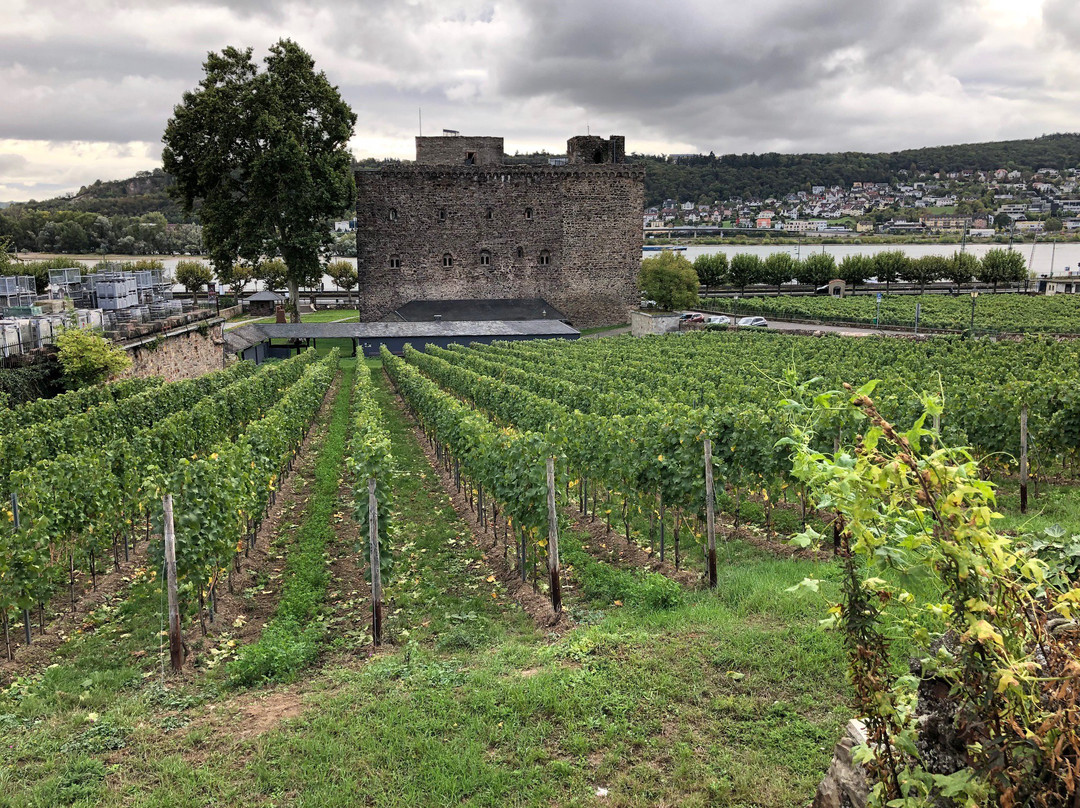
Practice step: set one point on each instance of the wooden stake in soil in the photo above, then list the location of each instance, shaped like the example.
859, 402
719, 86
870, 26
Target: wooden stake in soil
553, 540
176, 641
710, 512
1023, 458
661, 527
376, 562
15, 520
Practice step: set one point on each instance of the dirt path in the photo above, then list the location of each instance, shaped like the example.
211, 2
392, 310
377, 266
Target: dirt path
250, 595
535, 604
612, 548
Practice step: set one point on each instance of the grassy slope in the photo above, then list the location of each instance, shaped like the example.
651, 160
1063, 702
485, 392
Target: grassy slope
733, 698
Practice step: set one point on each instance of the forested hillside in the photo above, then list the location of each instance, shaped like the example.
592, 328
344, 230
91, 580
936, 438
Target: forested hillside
146, 192
707, 178
703, 178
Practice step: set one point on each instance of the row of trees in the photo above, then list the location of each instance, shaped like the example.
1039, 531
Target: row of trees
673, 282
72, 231
746, 269
194, 275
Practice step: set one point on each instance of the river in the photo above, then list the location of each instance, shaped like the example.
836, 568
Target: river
1040, 257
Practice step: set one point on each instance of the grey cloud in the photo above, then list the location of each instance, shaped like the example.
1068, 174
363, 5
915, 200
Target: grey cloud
776, 67
770, 75
11, 162
76, 57
1061, 20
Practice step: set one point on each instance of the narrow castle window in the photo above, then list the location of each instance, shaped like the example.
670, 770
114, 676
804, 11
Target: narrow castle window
528, 213
447, 260
393, 214
395, 262
489, 214
520, 252
442, 214
485, 258
470, 158
545, 258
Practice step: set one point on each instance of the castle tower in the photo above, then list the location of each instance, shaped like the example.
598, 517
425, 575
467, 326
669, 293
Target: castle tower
466, 222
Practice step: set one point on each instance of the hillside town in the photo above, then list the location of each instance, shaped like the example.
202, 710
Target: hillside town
980, 204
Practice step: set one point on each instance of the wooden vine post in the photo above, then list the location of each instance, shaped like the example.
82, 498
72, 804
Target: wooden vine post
16, 522
553, 540
1023, 458
376, 563
176, 640
710, 512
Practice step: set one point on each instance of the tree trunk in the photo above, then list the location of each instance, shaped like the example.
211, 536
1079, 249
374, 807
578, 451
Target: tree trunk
294, 297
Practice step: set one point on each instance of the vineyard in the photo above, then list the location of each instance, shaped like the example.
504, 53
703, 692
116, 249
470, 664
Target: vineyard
1004, 313
83, 485
637, 426
583, 588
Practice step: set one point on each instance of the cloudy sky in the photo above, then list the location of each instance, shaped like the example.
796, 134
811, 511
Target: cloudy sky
86, 87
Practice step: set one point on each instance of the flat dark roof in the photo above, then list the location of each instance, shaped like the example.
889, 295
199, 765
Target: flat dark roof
252, 334
523, 308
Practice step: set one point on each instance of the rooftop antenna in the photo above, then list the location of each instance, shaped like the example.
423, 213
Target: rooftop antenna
420, 119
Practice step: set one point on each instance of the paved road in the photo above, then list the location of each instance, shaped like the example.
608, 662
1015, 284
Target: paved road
845, 330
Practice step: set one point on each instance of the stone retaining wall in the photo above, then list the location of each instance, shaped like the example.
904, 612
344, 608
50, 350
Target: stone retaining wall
182, 356
643, 324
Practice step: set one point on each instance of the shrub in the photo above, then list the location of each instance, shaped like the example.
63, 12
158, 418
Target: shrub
87, 357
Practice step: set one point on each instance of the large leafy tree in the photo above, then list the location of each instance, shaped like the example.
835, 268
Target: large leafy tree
926, 269
745, 269
962, 267
264, 151
670, 280
343, 274
889, 266
816, 269
855, 269
711, 269
778, 268
1002, 266
193, 276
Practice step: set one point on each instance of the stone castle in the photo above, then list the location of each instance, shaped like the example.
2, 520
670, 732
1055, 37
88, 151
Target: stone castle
464, 223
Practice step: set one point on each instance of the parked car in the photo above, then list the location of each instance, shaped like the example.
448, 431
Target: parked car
695, 318
718, 320
753, 322
686, 315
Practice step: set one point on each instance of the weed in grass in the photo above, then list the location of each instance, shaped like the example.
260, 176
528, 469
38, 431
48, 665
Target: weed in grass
81, 779
103, 736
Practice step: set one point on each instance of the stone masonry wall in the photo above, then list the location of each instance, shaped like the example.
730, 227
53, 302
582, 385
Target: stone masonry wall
181, 357
583, 220
454, 151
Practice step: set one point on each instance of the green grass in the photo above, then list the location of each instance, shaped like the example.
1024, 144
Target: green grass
602, 328
321, 316
732, 697
292, 639
1054, 505
1013, 313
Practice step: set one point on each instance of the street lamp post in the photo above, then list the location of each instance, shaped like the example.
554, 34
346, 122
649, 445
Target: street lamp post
735, 313
974, 294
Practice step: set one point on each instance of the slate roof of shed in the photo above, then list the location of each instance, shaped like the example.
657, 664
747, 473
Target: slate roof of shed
244, 337
525, 308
